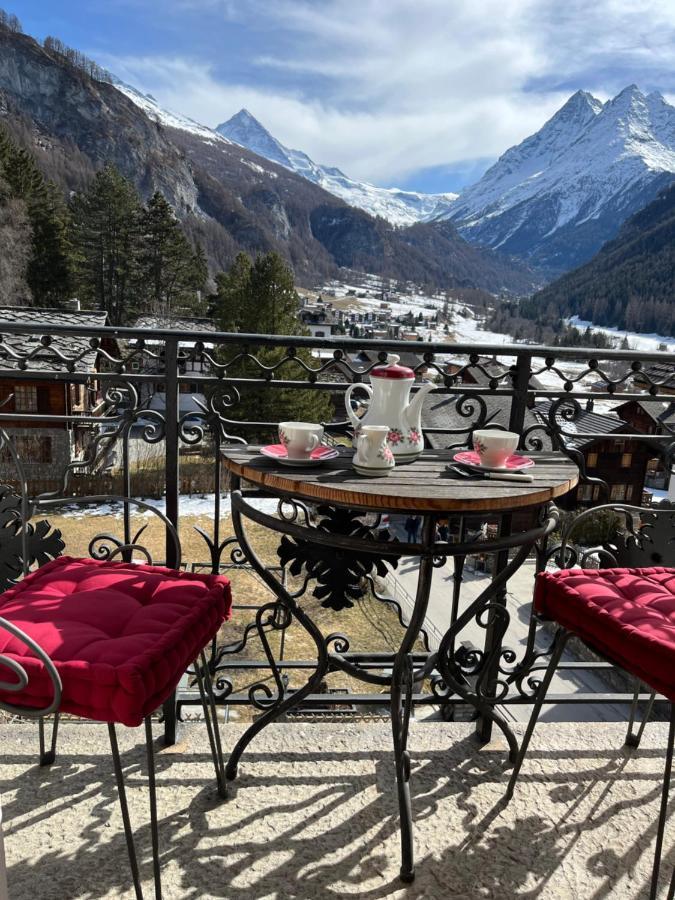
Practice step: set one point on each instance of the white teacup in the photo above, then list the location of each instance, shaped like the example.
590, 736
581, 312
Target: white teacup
300, 438
494, 447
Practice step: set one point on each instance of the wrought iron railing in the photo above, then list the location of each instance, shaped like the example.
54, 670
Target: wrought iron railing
117, 391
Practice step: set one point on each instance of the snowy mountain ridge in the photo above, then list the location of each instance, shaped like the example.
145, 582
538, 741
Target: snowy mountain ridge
154, 111
555, 198
397, 206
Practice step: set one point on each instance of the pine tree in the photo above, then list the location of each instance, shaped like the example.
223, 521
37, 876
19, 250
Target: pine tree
173, 273
260, 298
49, 268
106, 231
232, 294
15, 239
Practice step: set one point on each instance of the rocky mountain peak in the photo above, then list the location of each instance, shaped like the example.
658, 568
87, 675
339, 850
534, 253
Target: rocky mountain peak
398, 207
556, 197
244, 129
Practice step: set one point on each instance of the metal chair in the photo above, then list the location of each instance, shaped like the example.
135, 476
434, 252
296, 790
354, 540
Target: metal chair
605, 607
151, 623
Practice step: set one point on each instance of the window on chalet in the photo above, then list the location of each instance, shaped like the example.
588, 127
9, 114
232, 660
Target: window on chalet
626, 460
592, 460
619, 493
25, 398
585, 492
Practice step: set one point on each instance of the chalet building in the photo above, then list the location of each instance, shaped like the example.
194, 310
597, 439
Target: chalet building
44, 447
318, 318
651, 417
620, 462
154, 393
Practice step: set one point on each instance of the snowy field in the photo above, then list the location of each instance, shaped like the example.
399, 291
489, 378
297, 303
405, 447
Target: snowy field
466, 327
190, 505
643, 342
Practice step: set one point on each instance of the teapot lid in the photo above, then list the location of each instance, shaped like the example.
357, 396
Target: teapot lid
392, 369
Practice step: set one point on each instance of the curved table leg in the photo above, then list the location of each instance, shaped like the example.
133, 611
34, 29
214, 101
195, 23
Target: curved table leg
401, 700
284, 599
498, 619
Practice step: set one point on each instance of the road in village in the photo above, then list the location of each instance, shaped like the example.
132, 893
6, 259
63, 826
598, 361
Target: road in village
403, 585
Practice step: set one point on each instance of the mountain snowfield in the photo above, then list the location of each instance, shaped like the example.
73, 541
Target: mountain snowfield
555, 198
397, 206
552, 201
154, 111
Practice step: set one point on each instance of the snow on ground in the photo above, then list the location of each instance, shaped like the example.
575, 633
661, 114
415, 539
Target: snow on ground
466, 327
644, 342
189, 505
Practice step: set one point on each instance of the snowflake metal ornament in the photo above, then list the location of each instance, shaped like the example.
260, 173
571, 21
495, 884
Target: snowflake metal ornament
339, 574
43, 542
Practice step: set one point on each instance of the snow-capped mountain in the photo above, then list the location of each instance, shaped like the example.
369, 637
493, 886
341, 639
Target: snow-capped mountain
554, 199
397, 206
154, 111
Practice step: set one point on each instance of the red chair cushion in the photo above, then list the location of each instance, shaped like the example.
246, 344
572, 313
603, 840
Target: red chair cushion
628, 615
120, 634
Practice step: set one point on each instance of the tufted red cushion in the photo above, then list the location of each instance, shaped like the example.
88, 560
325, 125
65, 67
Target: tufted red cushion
121, 635
626, 614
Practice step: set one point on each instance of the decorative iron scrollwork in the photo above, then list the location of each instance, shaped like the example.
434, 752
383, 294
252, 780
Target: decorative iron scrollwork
339, 574
42, 542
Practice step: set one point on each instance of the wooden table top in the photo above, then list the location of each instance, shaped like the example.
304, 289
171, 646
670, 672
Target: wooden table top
420, 486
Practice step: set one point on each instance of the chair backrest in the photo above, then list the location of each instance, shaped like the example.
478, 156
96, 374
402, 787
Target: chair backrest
637, 538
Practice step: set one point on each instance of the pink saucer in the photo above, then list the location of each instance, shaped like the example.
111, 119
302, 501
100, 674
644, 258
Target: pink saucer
471, 458
316, 457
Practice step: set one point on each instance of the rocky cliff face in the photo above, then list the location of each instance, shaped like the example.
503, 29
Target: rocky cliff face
106, 127
228, 198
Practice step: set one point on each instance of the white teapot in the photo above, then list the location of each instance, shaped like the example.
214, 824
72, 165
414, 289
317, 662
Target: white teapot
390, 405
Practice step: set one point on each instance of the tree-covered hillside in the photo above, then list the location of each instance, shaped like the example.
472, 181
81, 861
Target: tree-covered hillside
105, 247
629, 284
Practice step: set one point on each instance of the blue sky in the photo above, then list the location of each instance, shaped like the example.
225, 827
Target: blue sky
422, 94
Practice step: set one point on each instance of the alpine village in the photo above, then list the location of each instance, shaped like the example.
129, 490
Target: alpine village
318, 492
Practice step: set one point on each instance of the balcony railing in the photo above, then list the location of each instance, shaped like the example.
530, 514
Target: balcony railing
133, 413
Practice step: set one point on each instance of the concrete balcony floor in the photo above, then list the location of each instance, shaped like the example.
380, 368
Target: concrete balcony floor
313, 815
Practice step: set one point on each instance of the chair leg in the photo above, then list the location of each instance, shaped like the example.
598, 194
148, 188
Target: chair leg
47, 757
154, 826
561, 638
633, 739
128, 834
211, 718
664, 807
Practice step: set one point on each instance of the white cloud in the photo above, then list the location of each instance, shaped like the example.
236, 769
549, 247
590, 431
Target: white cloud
383, 88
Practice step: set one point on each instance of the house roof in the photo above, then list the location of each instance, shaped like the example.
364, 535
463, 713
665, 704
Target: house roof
662, 373
440, 411
368, 357
587, 423
47, 357
160, 322
659, 411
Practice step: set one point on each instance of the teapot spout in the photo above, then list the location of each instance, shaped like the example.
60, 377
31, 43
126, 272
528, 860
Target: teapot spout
413, 411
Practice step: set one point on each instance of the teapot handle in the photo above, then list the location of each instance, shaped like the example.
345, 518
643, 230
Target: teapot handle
353, 418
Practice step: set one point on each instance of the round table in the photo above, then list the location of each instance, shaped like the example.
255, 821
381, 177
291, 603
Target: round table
336, 548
